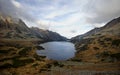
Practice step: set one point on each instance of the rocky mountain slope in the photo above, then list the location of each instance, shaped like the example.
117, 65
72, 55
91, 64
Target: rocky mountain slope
18, 45
100, 44
11, 28
111, 28
18, 50
47, 35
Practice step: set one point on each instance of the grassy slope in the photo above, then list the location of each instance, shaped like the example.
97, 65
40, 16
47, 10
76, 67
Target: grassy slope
19, 57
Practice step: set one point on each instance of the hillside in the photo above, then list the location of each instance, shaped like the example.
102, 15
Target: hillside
111, 28
18, 45
11, 28
100, 44
47, 35
98, 50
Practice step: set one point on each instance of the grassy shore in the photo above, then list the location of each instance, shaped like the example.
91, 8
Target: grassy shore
18, 57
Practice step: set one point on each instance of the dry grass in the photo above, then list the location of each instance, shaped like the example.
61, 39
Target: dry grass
96, 50
97, 67
17, 57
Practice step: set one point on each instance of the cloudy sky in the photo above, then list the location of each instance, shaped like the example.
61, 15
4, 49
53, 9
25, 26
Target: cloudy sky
67, 17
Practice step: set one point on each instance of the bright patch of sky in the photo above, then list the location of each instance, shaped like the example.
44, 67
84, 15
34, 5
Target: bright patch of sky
67, 17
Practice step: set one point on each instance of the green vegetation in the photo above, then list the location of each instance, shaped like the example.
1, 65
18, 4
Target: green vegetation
18, 36
76, 59
4, 51
24, 51
18, 63
95, 48
39, 47
84, 47
8, 35
6, 65
15, 57
101, 42
105, 54
116, 55
109, 57
48, 66
116, 42
58, 64
44, 69
35, 64
107, 39
40, 58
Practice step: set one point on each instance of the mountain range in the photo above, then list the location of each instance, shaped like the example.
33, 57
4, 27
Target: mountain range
111, 28
98, 49
11, 28
99, 44
18, 45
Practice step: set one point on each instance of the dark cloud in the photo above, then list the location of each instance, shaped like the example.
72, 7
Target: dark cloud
14, 9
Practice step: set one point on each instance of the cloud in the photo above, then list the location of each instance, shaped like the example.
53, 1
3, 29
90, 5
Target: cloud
102, 11
14, 9
17, 4
70, 15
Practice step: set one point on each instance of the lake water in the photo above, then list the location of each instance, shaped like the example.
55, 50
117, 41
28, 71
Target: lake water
57, 50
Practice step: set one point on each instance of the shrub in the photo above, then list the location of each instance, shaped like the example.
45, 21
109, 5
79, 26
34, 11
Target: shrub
44, 69
6, 65
116, 55
58, 64
8, 35
24, 51
96, 48
35, 64
4, 51
84, 47
107, 39
76, 59
105, 54
116, 42
108, 59
101, 42
48, 66
5, 59
39, 47
40, 58
18, 63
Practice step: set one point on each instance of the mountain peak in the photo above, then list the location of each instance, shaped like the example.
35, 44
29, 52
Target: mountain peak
16, 28
112, 28
113, 22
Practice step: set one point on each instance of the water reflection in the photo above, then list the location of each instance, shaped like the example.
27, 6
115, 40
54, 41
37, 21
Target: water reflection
57, 50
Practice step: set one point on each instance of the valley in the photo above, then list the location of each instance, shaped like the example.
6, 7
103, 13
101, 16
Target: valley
97, 51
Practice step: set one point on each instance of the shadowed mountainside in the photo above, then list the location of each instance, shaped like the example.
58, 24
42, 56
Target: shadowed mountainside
11, 28
47, 35
18, 45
